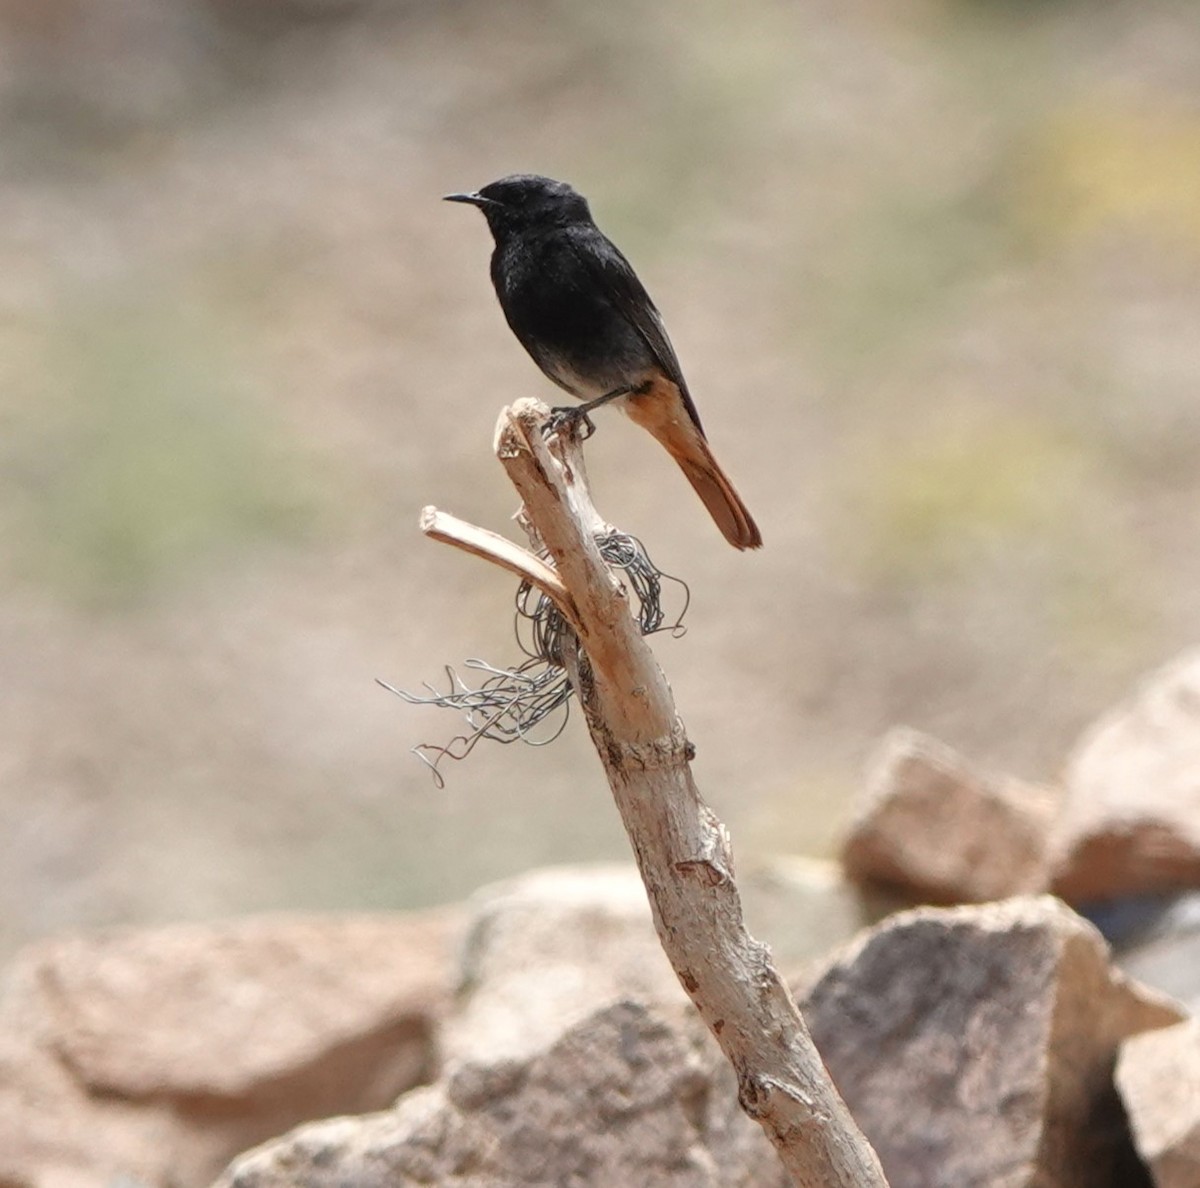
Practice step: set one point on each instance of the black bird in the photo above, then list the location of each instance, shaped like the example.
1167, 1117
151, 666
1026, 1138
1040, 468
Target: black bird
578, 308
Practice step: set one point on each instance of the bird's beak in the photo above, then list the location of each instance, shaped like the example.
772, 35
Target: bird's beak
472, 199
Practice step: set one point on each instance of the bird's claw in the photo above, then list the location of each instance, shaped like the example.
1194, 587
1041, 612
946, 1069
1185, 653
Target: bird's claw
571, 420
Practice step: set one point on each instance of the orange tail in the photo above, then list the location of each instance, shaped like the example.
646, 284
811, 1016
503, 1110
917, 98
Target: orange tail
662, 412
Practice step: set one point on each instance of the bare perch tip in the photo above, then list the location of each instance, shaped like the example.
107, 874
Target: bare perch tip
514, 426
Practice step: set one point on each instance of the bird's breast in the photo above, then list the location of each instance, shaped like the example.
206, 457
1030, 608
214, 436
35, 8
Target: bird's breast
565, 319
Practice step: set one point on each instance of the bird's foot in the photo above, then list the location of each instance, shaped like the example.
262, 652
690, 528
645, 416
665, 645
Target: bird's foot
572, 420
576, 417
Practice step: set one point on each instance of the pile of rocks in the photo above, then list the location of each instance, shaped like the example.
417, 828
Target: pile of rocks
1125, 820
1118, 838
537, 1036
151, 1057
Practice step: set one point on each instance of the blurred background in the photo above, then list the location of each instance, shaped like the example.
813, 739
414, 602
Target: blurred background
933, 270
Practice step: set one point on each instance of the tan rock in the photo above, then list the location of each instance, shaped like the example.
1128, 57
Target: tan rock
1158, 1076
1131, 817
937, 830
623, 1098
975, 1045
156, 1055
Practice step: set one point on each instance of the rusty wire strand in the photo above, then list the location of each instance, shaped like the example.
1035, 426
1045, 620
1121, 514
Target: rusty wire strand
515, 703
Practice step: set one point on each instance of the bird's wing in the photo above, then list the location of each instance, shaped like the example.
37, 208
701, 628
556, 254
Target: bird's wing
615, 277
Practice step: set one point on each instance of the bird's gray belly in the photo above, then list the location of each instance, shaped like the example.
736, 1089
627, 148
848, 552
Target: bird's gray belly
609, 364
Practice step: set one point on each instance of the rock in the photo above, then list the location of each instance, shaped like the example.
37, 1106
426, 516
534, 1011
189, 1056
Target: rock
1165, 953
622, 1098
805, 907
1126, 922
549, 948
1158, 1076
1130, 819
937, 830
153, 1056
975, 1045
554, 1075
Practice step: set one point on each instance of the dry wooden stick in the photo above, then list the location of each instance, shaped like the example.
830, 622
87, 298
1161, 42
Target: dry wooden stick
682, 849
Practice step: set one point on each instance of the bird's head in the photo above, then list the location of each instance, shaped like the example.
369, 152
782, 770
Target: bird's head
525, 201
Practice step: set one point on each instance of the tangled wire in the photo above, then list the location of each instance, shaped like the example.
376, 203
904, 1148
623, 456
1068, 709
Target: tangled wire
531, 702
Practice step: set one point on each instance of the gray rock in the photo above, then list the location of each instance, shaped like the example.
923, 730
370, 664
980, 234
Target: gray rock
975, 1046
547, 949
623, 1098
1163, 948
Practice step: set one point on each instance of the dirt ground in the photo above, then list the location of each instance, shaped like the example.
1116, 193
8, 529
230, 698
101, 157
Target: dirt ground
933, 271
